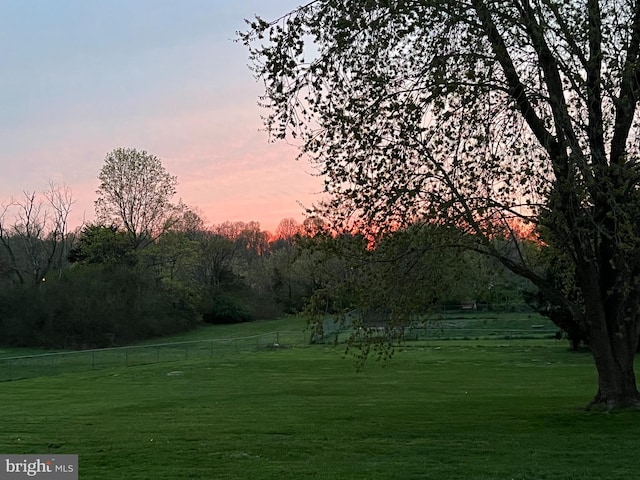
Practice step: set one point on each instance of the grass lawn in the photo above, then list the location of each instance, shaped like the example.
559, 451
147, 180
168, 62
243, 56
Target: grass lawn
457, 410
293, 324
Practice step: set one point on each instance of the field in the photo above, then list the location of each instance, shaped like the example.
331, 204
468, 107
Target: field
457, 409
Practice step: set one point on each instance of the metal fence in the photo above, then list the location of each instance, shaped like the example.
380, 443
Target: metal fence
28, 366
450, 326
37, 365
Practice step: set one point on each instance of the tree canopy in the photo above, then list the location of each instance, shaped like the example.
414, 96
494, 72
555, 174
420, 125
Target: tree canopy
473, 113
135, 194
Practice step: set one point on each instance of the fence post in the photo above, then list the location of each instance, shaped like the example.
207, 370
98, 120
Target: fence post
93, 360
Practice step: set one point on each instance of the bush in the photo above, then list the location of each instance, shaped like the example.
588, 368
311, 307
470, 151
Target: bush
92, 306
225, 307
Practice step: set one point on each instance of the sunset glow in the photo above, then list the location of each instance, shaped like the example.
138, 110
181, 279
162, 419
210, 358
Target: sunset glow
83, 78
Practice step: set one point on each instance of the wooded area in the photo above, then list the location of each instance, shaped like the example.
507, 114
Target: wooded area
99, 287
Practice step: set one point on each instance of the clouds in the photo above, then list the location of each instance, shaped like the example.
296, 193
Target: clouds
82, 78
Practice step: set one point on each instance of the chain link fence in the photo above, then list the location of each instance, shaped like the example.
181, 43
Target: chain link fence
29, 366
447, 327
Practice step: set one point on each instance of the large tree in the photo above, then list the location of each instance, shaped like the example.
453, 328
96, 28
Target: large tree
135, 194
473, 113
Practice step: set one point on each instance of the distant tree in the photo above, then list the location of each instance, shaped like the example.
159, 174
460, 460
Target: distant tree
231, 230
474, 113
222, 270
288, 281
217, 253
252, 241
34, 234
135, 194
189, 222
287, 229
98, 244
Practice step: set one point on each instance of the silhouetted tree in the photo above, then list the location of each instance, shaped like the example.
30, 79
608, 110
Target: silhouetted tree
472, 114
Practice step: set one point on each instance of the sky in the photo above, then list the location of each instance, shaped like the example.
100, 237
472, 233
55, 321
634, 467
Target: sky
83, 77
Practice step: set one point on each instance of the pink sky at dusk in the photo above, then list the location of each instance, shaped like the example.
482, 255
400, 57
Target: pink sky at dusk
162, 76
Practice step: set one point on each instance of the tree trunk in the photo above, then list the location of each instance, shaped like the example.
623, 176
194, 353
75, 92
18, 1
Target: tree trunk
613, 325
613, 339
616, 378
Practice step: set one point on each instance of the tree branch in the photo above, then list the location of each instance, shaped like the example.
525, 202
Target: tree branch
629, 93
516, 88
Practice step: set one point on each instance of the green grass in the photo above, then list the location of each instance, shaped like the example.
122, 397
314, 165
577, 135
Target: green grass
205, 341
295, 329
220, 340
292, 324
261, 327
456, 410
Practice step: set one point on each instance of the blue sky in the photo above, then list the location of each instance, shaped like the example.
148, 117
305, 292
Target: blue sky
81, 78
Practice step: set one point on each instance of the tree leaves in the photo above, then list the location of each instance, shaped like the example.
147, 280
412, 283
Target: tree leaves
135, 194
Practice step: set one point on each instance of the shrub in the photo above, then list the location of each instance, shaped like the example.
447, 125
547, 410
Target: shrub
92, 306
225, 307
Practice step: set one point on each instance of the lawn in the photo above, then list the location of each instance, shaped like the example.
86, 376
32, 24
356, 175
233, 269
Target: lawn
451, 410
220, 340
292, 324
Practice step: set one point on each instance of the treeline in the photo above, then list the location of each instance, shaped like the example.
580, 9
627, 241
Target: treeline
149, 267
95, 288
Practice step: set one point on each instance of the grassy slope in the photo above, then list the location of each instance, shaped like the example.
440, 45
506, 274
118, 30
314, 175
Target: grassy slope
206, 332
456, 410
471, 325
203, 332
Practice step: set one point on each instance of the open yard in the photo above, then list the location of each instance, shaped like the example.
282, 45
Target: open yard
466, 409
